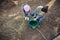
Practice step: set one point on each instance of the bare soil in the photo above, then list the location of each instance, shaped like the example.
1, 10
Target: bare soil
13, 26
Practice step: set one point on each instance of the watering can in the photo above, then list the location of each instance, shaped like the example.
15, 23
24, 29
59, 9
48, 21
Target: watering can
33, 23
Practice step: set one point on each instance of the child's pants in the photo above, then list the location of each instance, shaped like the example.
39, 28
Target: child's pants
40, 19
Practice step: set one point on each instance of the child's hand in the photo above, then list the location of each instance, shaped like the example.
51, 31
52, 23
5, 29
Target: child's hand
35, 19
27, 18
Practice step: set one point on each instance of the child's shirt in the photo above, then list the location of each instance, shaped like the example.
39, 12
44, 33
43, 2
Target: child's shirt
38, 11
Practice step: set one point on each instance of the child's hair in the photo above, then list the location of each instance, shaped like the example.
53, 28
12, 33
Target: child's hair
45, 9
26, 8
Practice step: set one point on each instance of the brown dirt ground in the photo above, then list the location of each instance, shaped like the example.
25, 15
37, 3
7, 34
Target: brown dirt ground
11, 21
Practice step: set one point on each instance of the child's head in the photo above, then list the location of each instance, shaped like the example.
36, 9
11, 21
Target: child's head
44, 9
26, 8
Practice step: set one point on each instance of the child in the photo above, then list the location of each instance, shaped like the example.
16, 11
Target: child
40, 12
26, 9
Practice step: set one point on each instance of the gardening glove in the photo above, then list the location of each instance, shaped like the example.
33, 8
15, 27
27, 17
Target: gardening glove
35, 19
27, 18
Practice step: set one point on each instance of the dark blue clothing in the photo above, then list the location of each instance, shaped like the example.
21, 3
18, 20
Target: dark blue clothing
32, 13
40, 19
25, 14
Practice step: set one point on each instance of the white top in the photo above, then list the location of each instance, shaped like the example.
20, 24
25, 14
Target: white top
38, 10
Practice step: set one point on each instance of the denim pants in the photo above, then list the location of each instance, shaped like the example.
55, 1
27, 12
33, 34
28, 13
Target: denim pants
40, 19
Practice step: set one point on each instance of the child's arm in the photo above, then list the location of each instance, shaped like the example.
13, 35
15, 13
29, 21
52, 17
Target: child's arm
36, 18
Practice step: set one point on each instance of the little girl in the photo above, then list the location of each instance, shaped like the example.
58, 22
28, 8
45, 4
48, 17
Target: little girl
26, 9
